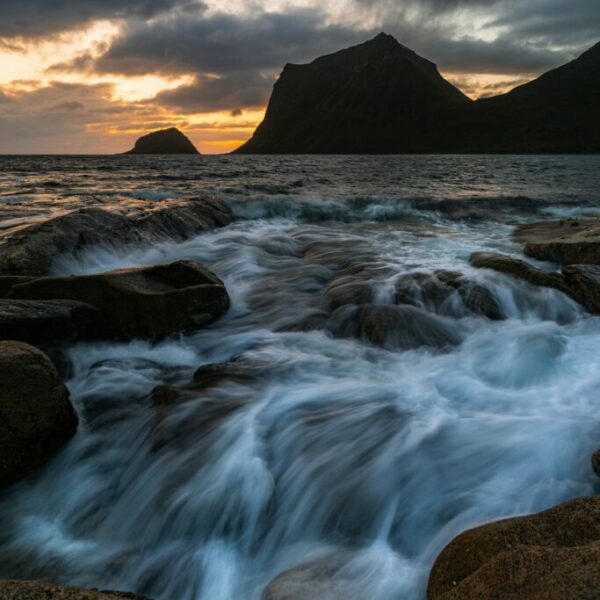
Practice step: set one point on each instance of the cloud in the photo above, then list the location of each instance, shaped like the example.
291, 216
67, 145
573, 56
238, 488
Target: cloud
40, 18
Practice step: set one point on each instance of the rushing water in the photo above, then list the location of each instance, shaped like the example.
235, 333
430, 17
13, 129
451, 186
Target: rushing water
338, 444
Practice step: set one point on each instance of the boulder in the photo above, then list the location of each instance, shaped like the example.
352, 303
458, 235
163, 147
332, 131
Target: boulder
393, 327
39, 590
42, 321
32, 250
150, 301
580, 282
595, 459
36, 417
318, 579
7, 282
568, 241
553, 555
447, 293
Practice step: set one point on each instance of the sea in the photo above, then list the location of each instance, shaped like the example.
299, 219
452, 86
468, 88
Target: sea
341, 451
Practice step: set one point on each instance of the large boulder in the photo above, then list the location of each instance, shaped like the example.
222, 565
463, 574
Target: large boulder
31, 251
150, 301
393, 327
553, 555
36, 417
580, 282
568, 241
41, 321
164, 141
448, 293
39, 590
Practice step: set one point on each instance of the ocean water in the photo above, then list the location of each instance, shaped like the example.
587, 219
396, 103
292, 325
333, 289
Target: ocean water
377, 456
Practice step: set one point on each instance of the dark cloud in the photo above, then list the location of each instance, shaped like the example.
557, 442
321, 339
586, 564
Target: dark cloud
38, 18
225, 43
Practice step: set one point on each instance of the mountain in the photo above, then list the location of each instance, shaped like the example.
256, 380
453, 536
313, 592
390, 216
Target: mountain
374, 97
165, 141
381, 97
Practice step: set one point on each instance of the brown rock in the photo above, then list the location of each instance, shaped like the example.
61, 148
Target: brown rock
39, 321
553, 555
32, 250
569, 241
595, 458
36, 417
146, 301
39, 590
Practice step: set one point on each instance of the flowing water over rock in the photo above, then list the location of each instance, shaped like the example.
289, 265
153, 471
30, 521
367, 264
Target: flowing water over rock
310, 443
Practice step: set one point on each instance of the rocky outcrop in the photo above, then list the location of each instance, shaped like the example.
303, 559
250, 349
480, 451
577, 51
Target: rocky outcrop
165, 141
381, 97
321, 579
581, 282
553, 555
393, 327
447, 293
39, 590
139, 302
36, 321
36, 417
568, 241
31, 251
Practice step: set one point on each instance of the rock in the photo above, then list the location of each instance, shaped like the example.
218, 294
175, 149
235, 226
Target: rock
39, 321
36, 417
569, 241
553, 555
595, 459
347, 290
31, 251
447, 293
7, 281
319, 579
165, 141
150, 302
580, 282
393, 327
39, 590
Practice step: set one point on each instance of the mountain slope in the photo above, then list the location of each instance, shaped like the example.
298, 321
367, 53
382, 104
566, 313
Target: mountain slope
374, 97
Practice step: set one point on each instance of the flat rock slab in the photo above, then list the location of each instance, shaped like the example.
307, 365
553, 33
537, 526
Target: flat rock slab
568, 241
36, 417
39, 590
553, 555
40, 321
31, 251
152, 302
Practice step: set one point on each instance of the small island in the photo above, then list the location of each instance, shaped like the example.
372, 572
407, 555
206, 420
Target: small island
165, 141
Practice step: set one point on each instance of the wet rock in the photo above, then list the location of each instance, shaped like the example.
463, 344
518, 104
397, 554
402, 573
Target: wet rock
146, 301
347, 290
39, 321
31, 251
393, 327
568, 241
447, 293
322, 579
36, 417
595, 459
7, 282
580, 282
39, 590
553, 555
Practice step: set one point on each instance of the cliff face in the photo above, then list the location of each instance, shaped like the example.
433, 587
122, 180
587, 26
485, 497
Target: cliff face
381, 97
165, 141
375, 97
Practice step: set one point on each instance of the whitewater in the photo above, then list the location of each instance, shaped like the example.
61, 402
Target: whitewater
373, 458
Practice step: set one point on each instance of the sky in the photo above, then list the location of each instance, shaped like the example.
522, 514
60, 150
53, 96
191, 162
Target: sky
90, 76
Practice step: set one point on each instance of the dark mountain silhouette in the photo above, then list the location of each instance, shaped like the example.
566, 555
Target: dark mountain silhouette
381, 97
375, 97
165, 141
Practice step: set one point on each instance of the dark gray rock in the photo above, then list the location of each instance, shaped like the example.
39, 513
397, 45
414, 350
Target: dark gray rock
165, 141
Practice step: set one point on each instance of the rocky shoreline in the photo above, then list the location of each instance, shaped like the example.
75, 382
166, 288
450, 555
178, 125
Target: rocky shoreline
550, 554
